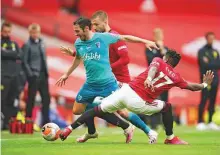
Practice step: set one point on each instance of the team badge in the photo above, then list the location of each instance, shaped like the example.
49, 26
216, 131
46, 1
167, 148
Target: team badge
97, 44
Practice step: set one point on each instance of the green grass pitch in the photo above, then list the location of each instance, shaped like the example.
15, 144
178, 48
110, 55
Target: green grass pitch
111, 142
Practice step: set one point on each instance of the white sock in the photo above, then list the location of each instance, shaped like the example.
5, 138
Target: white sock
70, 127
170, 137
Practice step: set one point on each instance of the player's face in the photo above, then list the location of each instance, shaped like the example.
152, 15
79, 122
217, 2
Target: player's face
80, 33
210, 39
35, 34
6, 31
98, 25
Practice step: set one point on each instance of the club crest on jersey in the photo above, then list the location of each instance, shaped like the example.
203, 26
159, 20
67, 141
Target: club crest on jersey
88, 47
97, 44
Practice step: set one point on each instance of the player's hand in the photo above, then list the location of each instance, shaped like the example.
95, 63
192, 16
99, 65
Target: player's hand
148, 84
67, 51
150, 45
62, 80
208, 77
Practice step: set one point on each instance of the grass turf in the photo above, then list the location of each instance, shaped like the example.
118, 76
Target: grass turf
111, 142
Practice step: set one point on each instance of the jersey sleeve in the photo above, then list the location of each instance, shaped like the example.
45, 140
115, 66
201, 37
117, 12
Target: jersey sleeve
110, 38
77, 51
120, 46
182, 83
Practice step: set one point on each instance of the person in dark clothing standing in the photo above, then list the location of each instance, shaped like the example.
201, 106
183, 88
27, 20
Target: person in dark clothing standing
158, 38
35, 66
10, 54
208, 59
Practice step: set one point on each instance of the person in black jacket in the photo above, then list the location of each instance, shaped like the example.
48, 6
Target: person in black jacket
208, 59
10, 54
158, 38
35, 66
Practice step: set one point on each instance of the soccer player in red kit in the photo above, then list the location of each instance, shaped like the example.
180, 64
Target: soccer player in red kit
139, 96
118, 52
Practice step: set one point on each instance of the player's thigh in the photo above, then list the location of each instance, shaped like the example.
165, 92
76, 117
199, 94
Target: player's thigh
151, 108
84, 97
114, 102
79, 108
137, 105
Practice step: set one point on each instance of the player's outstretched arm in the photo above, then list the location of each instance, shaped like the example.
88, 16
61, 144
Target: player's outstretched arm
129, 38
61, 81
207, 80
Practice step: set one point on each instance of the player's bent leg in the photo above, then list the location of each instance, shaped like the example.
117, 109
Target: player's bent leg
91, 132
78, 108
136, 121
99, 113
135, 104
167, 118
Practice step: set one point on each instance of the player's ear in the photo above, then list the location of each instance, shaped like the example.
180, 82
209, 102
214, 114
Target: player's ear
165, 58
86, 29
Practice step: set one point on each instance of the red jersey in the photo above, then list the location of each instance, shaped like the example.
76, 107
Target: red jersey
165, 79
118, 54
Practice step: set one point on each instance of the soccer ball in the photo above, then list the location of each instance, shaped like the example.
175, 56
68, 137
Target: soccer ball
50, 131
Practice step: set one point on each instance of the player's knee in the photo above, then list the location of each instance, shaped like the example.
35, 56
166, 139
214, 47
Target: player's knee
77, 111
123, 113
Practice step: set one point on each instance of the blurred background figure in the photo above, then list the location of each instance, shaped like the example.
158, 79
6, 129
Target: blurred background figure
35, 66
208, 58
10, 55
158, 37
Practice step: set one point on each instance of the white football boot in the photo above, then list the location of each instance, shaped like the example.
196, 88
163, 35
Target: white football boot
86, 137
152, 135
201, 126
213, 126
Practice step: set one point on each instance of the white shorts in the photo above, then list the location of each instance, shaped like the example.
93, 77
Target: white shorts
127, 98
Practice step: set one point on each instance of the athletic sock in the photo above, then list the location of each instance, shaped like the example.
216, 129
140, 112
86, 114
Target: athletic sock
170, 137
109, 117
137, 121
91, 125
167, 118
115, 120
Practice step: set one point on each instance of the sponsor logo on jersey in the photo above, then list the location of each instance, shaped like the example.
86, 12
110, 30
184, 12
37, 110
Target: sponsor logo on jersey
91, 56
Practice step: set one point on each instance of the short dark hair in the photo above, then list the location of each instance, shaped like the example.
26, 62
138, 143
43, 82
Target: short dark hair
175, 57
6, 24
83, 22
208, 34
101, 14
